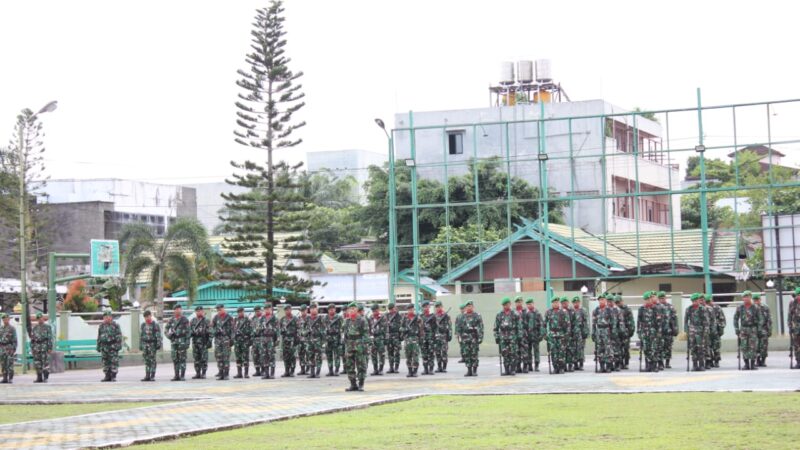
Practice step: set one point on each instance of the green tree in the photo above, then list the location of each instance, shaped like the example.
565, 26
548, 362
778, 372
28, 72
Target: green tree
184, 244
465, 242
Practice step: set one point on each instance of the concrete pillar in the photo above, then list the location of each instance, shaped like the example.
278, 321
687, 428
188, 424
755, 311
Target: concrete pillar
136, 315
676, 298
771, 297
63, 325
585, 305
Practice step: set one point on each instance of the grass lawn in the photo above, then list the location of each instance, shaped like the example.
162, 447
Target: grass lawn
592, 421
25, 413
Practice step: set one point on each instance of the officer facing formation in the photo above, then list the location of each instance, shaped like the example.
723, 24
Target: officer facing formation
222, 329
428, 338
378, 327
8, 348
356, 334
442, 337
749, 325
412, 332
557, 324
201, 342
536, 332
41, 347
695, 322
315, 333
523, 342
394, 338
150, 342
268, 331
793, 323
242, 340
109, 344
507, 328
333, 341
649, 333
179, 334
766, 332
469, 329
580, 332
604, 326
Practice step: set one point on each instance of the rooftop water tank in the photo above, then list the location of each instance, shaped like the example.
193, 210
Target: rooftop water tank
507, 72
544, 71
525, 72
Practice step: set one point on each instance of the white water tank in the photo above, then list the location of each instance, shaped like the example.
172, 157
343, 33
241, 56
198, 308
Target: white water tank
507, 72
525, 72
544, 71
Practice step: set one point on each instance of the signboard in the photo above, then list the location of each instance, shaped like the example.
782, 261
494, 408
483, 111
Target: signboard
105, 258
781, 244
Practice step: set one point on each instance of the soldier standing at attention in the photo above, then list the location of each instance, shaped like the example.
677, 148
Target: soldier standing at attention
523, 348
178, 333
581, 329
150, 342
356, 334
242, 339
793, 323
557, 325
748, 323
377, 330
763, 343
694, 322
109, 343
412, 332
626, 329
333, 340
506, 334
671, 328
458, 338
660, 329
470, 332
569, 340
604, 323
302, 340
535, 335
289, 335
258, 341
315, 340
201, 342
427, 344
8, 349
648, 334
394, 339
41, 347
444, 334
271, 333
222, 328
716, 334
711, 327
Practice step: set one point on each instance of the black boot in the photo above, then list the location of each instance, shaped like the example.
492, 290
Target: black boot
474, 371
410, 373
753, 365
667, 365
246, 370
285, 370
660, 365
203, 375
380, 370
238, 372
716, 362
360, 385
113, 376
107, 377
763, 362
469, 372
536, 367
183, 374
302, 370
330, 371
177, 376
38, 377
220, 373
198, 373
146, 375
336, 372
46, 375
353, 387
257, 373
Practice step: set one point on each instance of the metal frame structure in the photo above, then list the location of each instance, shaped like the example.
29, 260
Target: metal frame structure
697, 140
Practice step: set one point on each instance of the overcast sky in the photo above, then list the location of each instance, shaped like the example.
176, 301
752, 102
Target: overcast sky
146, 88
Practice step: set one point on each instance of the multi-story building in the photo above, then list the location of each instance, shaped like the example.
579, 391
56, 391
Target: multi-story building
343, 163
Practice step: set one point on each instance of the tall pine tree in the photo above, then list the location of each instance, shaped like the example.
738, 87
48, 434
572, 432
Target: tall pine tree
273, 202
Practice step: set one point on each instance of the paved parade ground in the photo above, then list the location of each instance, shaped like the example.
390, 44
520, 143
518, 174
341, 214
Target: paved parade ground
198, 406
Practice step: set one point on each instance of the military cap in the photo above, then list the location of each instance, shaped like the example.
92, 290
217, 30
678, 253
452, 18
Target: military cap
756, 296
797, 291
240, 309
352, 305
177, 306
601, 296
505, 301
220, 306
198, 308
360, 307
410, 307
576, 299
696, 296
303, 307
375, 307
3, 315
564, 299
148, 313
617, 298
108, 312
313, 305
468, 303
390, 305
709, 297
518, 298
39, 315
257, 308
437, 303
425, 303
462, 306
331, 307
529, 301
662, 294
287, 308
646, 295
555, 300
747, 294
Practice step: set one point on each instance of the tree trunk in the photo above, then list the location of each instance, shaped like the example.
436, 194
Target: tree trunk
160, 295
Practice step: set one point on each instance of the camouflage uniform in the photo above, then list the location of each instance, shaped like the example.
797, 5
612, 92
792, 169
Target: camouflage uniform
427, 344
763, 342
222, 328
444, 334
41, 345
242, 340
179, 333
793, 323
647, 329
695, 324
377, 331
394, 339
412, 332
8, 350
626, 330
316, 334
536, 332
604, 327
661, 324
748, 323
523, 342
709, 325
670, 331
109, 344
557, 325
268, 332
302, 341
716, 333
569, 339
150, 342
507, 326
290, 329
470, 333
581, 331
356, 334
333, 343
201, 342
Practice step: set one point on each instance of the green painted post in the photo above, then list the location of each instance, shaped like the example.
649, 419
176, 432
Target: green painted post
508, 205
414, 210
637, 212
544, 192
703, 198
51, 291
393, 263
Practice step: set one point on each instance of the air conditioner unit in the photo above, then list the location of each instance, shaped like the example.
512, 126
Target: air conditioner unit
470, 289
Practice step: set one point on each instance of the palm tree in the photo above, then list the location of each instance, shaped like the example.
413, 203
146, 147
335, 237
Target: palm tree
183, 246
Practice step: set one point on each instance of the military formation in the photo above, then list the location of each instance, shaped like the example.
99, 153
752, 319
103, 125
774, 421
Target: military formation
349, 340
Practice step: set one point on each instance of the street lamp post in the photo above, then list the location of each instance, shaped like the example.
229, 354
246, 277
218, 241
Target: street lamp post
23, 279
393, 268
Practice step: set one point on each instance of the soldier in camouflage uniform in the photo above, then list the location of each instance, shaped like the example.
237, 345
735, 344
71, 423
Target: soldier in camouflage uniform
315, 333
109, 343
536, 333
604, 327
793, 323
557, 326
706, 332
41, 347
333, 340
8, 348
671, 328
257, 347
581, 330
647, 329
289, 336
442, 338
150, 342
694, 322
717, 331
302, 340
458, 339
523, 343
507, 328
201, 341
662, 322
569, 339
242, 340
428, 339
394, 338
748, 323
222, 329
356, 334
412, 332
470, 332
269, 331
763, 343
179, 334
377, 331
625, 330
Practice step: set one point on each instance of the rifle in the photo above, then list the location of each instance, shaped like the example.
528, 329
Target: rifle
549, 366
791, 351
595, 357
738, 351
641, 350
687, 350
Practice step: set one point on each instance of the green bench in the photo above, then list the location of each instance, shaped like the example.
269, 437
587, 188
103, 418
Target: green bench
78, 350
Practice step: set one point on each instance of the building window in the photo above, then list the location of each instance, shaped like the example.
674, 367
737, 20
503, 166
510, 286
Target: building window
666, 287
574, 285
455, 142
